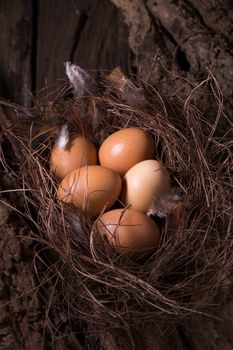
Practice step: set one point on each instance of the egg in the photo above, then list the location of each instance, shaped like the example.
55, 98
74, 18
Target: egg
72, 154
125, 148
130, 231
143, 183
91, 188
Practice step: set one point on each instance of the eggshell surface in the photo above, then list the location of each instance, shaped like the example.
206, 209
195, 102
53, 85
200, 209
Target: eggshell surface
131, 232
91, 189
79, 152
125, 148
143, 182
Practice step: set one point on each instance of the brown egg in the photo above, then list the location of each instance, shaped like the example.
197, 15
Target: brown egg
143, 182
125, 148
77, 152
91, 188
130, 231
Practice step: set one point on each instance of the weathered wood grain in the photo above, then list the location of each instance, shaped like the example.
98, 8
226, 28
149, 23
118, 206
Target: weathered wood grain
93, 36
103, 42
15, 50
56, 33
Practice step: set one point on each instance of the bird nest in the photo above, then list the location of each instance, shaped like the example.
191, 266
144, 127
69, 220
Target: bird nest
95, 288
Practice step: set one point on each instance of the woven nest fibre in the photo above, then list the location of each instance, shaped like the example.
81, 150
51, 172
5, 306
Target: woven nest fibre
95, 287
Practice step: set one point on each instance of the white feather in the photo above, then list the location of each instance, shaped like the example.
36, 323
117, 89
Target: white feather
78, 77
63, 137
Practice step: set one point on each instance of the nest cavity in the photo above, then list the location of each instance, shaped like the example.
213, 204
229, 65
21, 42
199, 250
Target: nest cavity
94, 288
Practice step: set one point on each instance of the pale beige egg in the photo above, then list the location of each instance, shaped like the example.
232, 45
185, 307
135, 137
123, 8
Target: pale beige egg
125, 148
77, 152
91, 188
143, 183
131, 232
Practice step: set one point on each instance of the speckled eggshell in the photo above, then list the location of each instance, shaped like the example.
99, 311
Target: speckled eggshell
79, 152
143, 182
91, 188
125, 148
131, 232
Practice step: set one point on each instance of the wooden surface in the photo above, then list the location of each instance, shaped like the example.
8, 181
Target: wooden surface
16, 49
150, 38
37, 37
